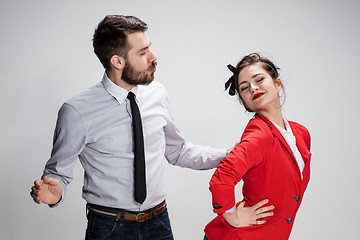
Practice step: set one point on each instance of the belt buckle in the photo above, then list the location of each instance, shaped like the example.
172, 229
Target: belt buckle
138, 216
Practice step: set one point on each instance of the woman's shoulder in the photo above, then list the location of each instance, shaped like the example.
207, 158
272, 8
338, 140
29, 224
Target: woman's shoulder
259, 129
259, 123
256, 140
302, 130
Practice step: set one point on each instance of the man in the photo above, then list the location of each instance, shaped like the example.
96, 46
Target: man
97, 126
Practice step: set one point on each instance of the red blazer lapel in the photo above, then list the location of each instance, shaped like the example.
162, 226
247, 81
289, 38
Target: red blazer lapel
276, 132
303, 145
300, 143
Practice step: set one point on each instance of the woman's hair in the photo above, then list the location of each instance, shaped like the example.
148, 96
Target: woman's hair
248, 60
110, 37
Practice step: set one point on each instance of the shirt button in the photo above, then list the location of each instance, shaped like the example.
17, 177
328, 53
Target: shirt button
297, 198
289, 220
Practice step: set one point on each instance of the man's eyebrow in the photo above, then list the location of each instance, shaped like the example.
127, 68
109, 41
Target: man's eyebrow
144, 48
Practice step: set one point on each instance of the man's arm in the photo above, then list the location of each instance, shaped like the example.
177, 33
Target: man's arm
185, 154
69, 141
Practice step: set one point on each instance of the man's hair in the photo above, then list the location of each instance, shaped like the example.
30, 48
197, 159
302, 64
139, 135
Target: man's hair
110, 37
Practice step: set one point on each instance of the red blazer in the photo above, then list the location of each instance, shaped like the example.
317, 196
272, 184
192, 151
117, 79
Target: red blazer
266, 164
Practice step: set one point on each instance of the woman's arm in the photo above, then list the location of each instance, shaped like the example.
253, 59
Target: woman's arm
255, 143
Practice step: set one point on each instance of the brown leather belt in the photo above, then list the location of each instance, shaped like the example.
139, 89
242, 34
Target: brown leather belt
138, 217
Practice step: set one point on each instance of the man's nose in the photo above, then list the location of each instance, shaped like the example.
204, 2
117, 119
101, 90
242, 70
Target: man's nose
152, 57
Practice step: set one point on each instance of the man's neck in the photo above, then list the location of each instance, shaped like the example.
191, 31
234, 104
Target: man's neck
115, 77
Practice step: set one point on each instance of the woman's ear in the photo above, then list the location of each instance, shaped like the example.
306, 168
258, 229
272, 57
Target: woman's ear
278, 84
117, 62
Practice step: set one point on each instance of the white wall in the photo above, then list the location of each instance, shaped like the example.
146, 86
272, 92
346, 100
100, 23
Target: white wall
46, 57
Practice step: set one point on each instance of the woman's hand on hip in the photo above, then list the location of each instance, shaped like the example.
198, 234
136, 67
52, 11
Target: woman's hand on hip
249, 216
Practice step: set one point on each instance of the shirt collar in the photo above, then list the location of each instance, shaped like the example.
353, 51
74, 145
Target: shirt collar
117, 92
287, 126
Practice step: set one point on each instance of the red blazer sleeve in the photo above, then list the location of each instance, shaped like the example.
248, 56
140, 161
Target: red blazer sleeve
255, 143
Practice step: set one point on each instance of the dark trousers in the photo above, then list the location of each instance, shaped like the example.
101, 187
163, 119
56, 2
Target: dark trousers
107, 227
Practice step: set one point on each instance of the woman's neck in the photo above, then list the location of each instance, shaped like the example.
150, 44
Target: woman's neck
275, 116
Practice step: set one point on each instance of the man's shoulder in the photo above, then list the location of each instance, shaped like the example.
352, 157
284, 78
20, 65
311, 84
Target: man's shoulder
154, 89
154, 85
87, 97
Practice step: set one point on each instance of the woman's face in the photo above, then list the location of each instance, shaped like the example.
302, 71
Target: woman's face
258, 90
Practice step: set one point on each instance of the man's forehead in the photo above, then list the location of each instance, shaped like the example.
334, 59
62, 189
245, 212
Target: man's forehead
138, 41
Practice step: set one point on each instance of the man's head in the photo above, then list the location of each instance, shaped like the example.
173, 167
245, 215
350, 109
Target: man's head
121, 44
110, 37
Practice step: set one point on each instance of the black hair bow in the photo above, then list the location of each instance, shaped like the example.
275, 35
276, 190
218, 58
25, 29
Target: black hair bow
230, 82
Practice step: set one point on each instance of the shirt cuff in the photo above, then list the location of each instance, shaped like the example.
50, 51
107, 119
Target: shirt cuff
231, 210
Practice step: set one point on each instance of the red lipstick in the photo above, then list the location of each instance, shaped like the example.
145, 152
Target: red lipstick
258, 95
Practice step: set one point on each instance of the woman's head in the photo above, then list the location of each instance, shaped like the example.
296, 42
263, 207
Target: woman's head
256, 81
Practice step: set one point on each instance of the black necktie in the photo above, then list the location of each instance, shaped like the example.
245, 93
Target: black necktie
139, 155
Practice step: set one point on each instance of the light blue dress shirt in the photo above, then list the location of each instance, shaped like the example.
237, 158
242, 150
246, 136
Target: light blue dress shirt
95, 127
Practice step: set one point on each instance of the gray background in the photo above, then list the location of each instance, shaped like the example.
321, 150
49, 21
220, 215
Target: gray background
47, 57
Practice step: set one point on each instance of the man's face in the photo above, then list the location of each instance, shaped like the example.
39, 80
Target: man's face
140, 63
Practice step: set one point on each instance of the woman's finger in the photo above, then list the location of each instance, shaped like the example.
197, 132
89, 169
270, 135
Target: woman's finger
264, 215
261, 203
264, 209
260, 222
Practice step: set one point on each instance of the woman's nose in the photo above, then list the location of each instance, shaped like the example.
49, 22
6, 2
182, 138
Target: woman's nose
253, 88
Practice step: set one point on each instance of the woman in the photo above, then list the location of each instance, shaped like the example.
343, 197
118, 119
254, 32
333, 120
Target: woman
272, 159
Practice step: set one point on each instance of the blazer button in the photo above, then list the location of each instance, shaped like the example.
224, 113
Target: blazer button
216, 206
289, 220
297, 198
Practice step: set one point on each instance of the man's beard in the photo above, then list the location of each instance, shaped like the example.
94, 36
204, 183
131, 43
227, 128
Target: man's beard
133, 77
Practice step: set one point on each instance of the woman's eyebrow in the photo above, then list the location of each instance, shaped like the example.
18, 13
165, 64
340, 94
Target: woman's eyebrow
257, 74
254, 76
